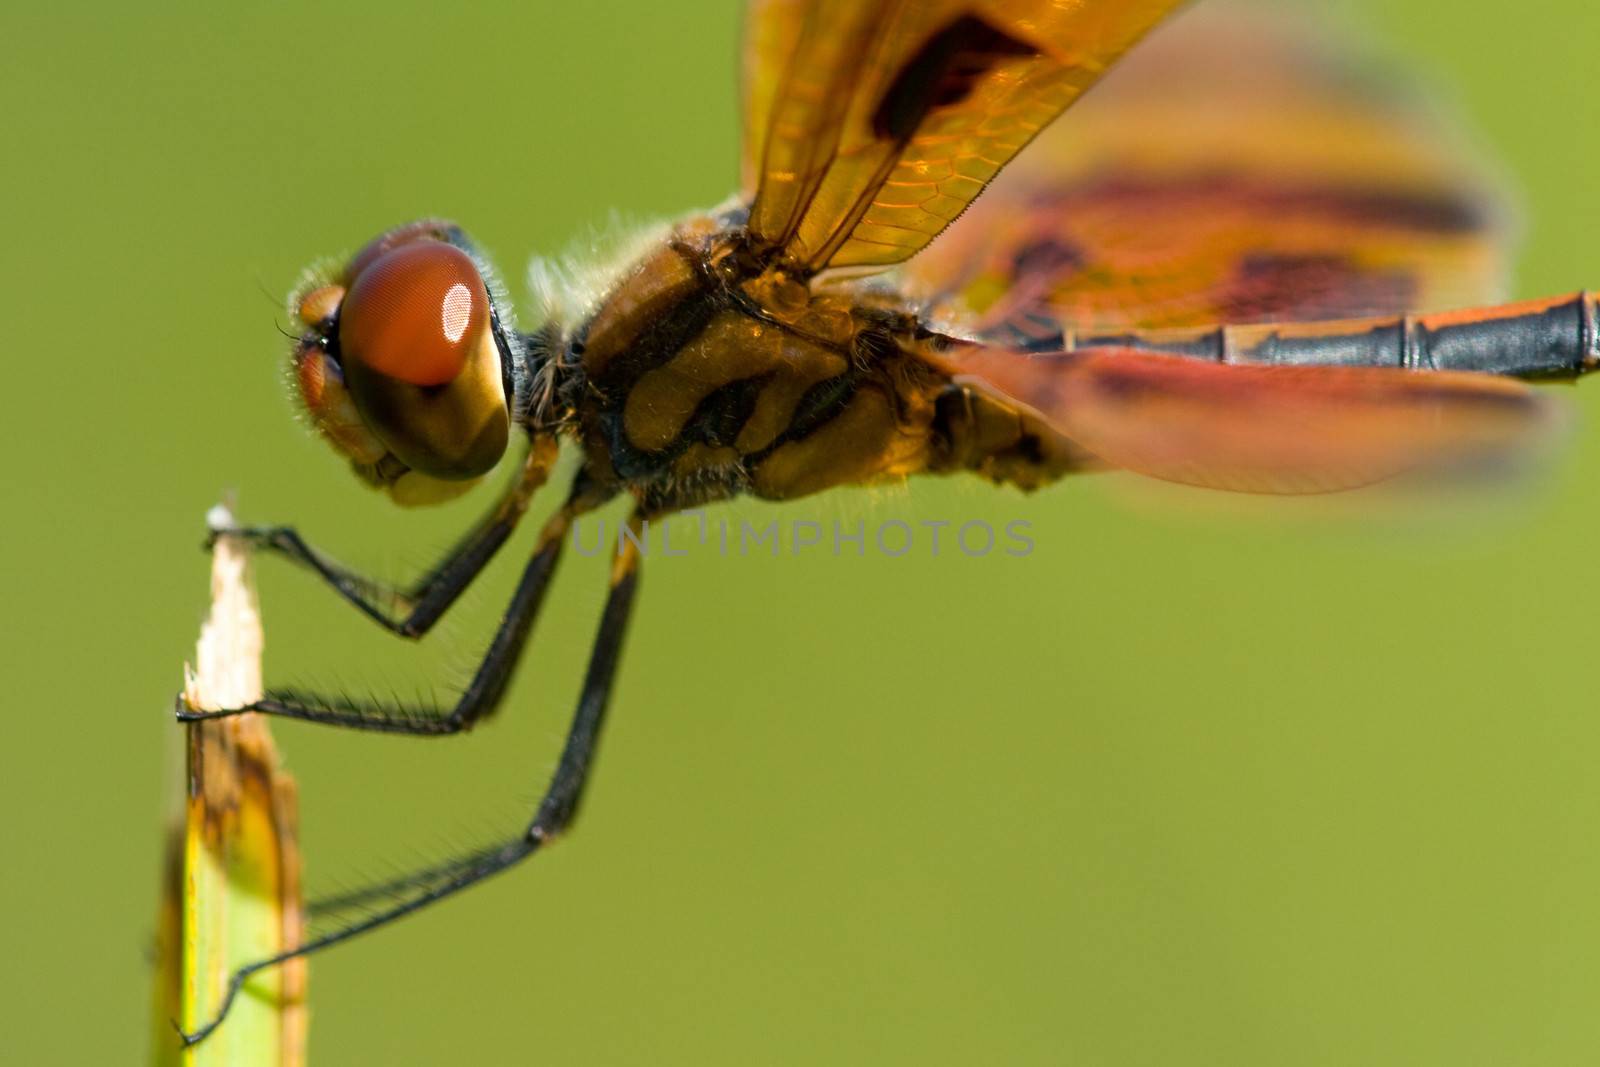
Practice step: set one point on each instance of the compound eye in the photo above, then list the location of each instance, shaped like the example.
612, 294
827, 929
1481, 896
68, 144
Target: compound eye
420, 359
417, 313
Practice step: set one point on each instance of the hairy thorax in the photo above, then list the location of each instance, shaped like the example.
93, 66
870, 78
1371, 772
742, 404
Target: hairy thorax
703, 375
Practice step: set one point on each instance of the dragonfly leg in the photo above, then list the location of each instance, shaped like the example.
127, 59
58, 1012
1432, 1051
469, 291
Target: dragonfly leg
555, 813
482, 694
411, 612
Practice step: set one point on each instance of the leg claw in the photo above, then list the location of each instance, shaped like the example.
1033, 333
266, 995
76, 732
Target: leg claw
183, 711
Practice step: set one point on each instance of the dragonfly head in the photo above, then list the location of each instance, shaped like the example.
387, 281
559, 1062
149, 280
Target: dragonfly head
403, 363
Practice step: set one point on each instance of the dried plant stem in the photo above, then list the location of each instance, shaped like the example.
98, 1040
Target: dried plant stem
233, 884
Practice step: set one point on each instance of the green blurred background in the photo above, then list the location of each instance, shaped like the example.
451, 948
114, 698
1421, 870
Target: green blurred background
1174, 790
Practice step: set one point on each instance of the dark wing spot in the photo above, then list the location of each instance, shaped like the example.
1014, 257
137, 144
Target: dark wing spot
1130, 384
1046, 258
1445, 212
943, 72
1441, 211
1273, 287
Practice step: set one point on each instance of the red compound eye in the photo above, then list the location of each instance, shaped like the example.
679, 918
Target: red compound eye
416, 313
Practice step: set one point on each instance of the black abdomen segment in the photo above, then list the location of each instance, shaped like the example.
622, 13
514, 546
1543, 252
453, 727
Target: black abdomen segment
1538, 339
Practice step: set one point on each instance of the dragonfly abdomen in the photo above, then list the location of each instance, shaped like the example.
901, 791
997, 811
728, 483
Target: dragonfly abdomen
1538, 339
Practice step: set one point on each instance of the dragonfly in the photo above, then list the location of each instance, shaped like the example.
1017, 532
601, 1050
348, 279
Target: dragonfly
1233, 267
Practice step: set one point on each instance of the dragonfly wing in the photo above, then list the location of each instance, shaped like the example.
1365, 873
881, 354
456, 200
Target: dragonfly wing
1260, 428
871, 124
1239, 167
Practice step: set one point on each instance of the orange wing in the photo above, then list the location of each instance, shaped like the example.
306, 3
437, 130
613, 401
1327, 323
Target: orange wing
872, 124
1238, 167
1261, 428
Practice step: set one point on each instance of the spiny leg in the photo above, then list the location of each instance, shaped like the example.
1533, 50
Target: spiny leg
556, 811
483, 692
412, 612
